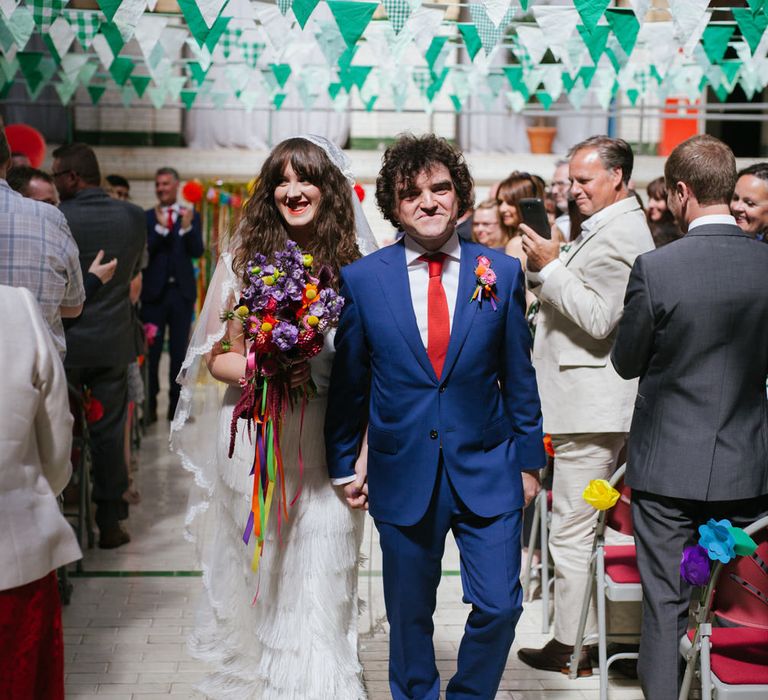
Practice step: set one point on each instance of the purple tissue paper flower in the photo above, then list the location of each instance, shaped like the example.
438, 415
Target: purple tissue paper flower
695, 566
284, 336
715, 537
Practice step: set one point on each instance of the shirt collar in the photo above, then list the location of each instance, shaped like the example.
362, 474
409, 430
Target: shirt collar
588, 225
413, 251
720, 219
173, 207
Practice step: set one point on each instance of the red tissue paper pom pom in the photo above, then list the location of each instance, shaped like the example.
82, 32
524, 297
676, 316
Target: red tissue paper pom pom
193, 191
28, 140
359, 191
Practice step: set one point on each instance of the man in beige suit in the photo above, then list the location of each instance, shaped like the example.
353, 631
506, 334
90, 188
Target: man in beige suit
587, 407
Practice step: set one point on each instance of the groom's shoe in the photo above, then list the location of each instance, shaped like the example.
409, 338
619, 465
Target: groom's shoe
555, 656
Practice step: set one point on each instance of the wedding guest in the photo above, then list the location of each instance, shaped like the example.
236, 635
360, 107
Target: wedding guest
749, 204
560, 189
516, 187
38, 185
586, 405
691, 316
33, 183
464, 455
119, 187
36, 435
19, 159
100, 344
660, 220
486, 225
174, 238
37, 251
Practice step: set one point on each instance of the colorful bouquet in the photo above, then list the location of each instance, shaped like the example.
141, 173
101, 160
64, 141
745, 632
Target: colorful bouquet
285, 311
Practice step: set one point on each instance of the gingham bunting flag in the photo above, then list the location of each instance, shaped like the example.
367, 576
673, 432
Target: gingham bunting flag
45, 12
490, 33
398, 12
251, 52
229, 40
86, 25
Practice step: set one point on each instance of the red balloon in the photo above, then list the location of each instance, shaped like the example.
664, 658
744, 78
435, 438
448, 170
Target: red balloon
193, 191
25, 139
359, 191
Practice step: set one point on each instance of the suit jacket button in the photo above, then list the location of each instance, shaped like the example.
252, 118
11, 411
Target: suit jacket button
433, 434
442, 388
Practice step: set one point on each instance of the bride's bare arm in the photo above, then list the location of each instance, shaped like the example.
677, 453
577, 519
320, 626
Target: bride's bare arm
227, 361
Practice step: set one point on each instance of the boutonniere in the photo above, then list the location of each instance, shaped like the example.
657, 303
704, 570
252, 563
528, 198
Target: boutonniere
486, 282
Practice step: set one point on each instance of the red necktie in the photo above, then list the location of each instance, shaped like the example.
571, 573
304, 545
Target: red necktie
438, 321
170, 218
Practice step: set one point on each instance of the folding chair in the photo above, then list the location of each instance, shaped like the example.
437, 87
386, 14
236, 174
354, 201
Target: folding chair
541, 515
614, 573
81, 472
733, 659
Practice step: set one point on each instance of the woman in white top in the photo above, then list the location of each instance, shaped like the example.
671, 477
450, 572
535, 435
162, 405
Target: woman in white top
35, 442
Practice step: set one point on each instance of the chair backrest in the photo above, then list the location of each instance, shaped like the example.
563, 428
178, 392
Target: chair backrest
620, 516
741, 593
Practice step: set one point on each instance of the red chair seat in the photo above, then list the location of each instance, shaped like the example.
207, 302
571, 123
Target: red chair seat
621, 563
739, 655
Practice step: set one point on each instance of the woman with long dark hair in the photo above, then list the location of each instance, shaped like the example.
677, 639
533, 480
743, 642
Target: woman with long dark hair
290, 630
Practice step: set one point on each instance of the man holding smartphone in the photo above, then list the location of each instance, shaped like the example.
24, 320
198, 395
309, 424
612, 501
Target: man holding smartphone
586, 406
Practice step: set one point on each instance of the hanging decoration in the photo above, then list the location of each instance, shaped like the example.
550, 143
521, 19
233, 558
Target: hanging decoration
254, 55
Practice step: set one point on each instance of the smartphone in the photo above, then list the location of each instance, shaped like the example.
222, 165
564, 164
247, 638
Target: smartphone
533, 213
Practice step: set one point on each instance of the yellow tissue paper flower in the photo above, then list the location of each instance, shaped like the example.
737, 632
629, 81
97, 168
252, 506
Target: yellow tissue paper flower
600, 494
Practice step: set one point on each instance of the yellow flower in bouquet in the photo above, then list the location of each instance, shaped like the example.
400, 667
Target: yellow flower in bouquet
600, 494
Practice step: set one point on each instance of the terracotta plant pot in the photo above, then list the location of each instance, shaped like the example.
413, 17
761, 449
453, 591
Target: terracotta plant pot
541, 137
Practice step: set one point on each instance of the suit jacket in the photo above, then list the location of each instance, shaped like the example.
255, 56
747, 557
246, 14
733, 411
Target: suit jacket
581, 303
36, 437
171, 256
695, 330
102, 336
483, 413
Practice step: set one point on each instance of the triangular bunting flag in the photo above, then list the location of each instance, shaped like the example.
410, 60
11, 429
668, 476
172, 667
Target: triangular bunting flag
108, 7
303, 9
591, 11
140, 83
471, 38
96, 91
121, 68
625, 27
352, 18
85, 24
398, 12
188, 98
281, 71
715, 41
595, 39
752, 26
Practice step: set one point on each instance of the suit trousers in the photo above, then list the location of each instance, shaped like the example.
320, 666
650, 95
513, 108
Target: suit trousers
173, 311
109, 385
663, 528
579, 458
490, 577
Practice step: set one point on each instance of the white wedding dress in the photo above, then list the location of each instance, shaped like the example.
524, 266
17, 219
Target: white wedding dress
298, 640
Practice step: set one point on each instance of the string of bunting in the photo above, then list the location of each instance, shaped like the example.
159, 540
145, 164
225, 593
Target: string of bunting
225, 53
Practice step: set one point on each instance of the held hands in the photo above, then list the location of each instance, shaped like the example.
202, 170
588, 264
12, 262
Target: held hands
531, 485
104, 271
300, 374
540, 251
356, 492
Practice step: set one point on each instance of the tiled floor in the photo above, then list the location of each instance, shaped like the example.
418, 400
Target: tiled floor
126, 625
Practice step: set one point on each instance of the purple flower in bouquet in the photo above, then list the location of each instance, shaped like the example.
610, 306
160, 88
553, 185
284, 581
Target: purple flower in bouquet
715, 537
293, 289
284, 336
695, 566
332, 303
317, 309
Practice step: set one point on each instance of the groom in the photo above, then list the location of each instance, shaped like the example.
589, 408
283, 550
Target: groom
447, 390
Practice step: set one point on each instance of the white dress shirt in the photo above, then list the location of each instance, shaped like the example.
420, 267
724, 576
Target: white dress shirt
722, 219
418, 281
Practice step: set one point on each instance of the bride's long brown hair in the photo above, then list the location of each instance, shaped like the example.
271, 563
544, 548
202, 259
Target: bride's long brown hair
263, 229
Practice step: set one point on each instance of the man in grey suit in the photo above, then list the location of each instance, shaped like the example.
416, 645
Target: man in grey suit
100, 344
586, 406
695, 330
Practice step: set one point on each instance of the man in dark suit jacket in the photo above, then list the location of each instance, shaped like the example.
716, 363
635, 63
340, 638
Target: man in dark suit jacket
174, 238
695, 330
100, 343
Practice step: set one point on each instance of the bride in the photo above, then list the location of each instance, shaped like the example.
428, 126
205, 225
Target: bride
288, 632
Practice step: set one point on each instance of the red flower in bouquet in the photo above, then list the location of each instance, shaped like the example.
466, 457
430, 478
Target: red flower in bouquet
285, 311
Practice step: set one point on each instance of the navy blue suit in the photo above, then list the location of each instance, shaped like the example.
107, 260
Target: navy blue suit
168, 296
443, 454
